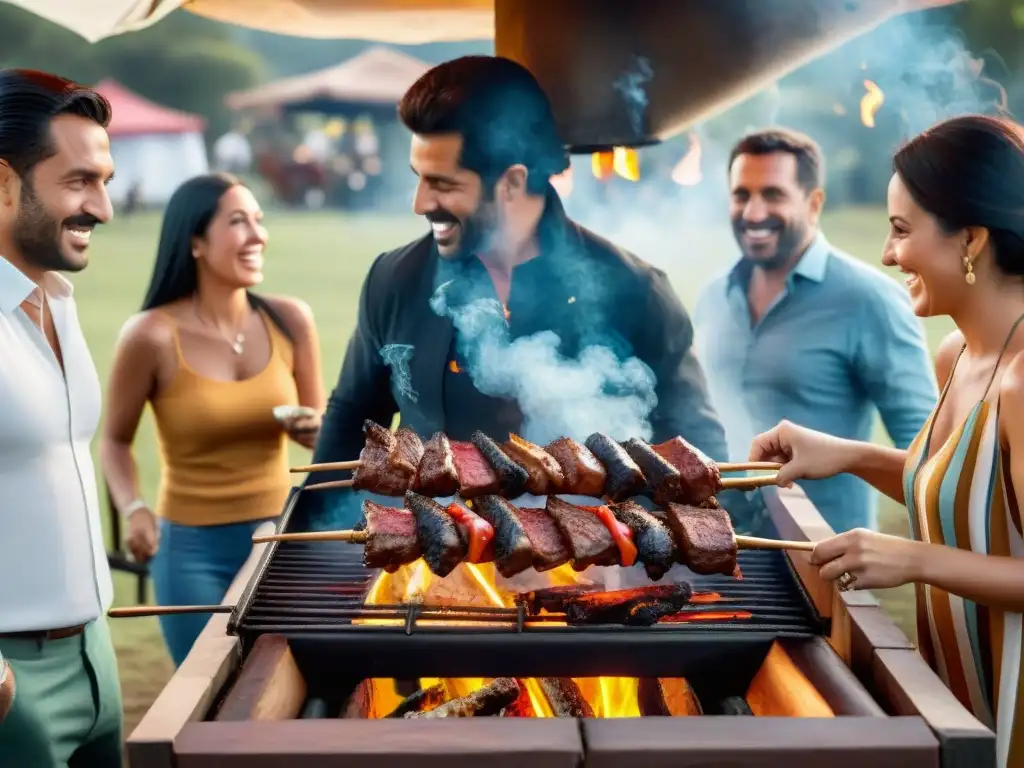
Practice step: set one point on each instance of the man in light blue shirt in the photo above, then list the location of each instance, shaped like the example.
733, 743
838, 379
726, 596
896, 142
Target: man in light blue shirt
798, 330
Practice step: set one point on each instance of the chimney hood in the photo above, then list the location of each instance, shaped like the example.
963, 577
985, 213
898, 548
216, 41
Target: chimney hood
635, 73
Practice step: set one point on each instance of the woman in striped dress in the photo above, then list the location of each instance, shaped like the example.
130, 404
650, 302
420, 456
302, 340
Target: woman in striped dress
956, 208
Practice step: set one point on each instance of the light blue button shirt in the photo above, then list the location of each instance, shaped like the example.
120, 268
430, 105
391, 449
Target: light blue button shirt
840, 341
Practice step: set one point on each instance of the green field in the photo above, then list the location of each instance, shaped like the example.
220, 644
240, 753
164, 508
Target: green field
322, 258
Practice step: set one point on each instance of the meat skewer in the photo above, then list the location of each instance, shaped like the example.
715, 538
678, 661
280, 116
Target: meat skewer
673, 471
517, 539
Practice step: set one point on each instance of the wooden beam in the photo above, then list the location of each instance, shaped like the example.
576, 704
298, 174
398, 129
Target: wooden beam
270, 686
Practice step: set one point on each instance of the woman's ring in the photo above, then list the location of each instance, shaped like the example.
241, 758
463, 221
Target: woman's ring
846, 582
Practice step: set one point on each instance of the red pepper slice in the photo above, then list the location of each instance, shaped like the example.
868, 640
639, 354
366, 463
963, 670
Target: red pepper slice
478, 531
621, 534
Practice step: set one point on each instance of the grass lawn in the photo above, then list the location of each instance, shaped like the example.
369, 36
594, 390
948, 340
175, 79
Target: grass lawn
323, 258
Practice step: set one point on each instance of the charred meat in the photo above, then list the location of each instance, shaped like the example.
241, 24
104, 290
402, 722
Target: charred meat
441, 544
483, 702
544, 475
625, 478
513, 552
553, 599
512, 478
735, 706
700, 476
476, 475
391, 539
375, 472
565, 697
667, 697
407, 453
705, 538
549, 551
664, 482
436, 475
589, 540
655, 547
584, 474
421, 701
616, 607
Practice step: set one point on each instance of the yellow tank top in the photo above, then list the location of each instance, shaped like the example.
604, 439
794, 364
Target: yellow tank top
224, 456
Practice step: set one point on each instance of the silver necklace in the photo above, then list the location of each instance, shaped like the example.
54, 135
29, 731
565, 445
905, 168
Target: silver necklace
237, 346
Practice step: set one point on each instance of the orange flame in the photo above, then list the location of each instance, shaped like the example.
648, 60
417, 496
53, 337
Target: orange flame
454, 367
687, 172
870, 103
621, 160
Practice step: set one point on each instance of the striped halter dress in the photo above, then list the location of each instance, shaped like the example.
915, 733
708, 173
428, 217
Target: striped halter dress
962, 497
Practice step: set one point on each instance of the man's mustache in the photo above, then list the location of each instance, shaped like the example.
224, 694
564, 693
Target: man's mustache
440, 217
772, 222
85, 221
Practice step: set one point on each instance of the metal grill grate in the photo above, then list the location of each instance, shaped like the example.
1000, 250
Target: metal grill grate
319, 588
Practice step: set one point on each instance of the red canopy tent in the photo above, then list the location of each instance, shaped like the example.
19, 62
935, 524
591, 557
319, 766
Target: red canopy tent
155, 148
134, 115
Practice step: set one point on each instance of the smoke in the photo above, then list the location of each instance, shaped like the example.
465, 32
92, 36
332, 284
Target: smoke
397, 357
557, 395
631, 86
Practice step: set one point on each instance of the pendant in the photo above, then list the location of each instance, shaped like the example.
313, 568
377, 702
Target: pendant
239, 344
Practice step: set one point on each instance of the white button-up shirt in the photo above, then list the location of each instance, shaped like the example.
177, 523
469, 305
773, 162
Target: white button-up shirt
53, 564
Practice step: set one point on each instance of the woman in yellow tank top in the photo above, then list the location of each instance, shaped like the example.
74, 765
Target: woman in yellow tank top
956, 207
213, 360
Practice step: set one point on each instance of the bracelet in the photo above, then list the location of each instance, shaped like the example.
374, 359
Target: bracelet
136, 505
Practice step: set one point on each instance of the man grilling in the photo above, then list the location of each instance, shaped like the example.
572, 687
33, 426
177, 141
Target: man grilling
455, 329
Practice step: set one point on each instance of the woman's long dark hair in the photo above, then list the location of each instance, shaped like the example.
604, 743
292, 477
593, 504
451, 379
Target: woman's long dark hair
188, 214
969, 172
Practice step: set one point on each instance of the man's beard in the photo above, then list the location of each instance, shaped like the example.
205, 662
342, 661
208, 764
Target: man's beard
477, 232
789, 238
37, 234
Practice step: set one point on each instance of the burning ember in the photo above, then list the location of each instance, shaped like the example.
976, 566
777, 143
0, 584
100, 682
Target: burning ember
687, 172
870, 103
479, 586
622, 161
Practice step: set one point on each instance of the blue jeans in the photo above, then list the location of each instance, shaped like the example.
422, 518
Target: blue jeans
195, 565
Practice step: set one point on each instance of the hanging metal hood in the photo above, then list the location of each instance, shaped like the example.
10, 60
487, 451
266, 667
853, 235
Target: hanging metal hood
632, 74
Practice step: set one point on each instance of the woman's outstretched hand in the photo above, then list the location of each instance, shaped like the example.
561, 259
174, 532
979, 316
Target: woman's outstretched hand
803, 453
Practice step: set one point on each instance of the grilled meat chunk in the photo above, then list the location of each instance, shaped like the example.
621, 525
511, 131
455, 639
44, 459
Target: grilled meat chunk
667, 697
553, 599
565, 697
391, 539
476, 475
420, 701
664, 482
705, 538
436, 475
700, 476
513, 552
616, 607
625, 478
656, 548
589, 540
544, 475
483, 702
549, 551
406, 455
375, 472
512, 478
441, 544
584, 474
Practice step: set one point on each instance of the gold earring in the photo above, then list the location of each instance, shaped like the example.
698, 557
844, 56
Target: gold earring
969, 277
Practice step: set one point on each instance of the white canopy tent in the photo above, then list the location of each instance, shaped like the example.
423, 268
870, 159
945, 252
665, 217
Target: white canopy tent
154, 148
404, 22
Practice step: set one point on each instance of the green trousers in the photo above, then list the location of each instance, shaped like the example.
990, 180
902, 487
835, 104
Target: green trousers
67, 702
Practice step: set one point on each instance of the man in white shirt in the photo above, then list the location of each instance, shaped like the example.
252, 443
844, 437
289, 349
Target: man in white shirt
55, 585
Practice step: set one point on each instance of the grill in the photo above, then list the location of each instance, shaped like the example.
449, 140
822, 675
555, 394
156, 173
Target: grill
313, 593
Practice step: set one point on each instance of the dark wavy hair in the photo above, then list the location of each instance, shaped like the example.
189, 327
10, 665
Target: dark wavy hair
969, 172
29, 100
499, 109
188, 214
